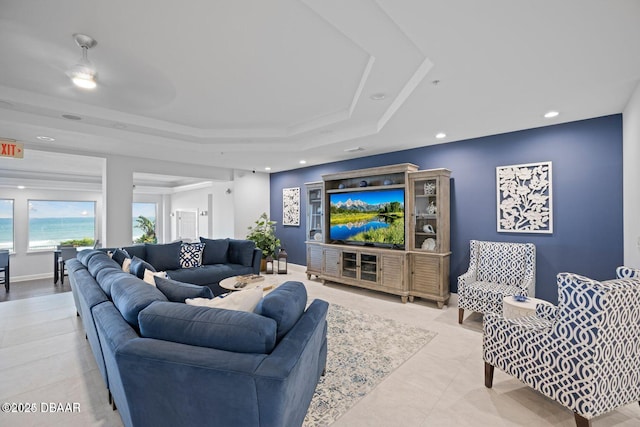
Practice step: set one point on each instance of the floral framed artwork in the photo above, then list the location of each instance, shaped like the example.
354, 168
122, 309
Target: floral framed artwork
524, 199
291, 206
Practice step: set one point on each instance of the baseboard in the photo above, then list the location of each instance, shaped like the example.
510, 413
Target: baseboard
32, 277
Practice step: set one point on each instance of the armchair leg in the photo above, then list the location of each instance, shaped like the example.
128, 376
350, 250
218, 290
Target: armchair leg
488, 376
460, 315
581, 421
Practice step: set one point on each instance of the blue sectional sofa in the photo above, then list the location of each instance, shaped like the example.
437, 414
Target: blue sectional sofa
220, 258
166, 363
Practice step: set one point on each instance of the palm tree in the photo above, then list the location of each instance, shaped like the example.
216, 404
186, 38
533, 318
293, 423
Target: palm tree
148, 228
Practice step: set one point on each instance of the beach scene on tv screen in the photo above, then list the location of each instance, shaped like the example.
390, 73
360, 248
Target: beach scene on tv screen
367, 216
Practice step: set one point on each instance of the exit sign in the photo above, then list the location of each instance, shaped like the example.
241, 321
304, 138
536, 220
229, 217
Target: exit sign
11, 148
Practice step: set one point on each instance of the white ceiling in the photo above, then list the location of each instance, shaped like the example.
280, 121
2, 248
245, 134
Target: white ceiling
250, 83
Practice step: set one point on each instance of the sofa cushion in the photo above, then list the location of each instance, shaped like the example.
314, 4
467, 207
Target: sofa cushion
107, 278
285, 305
84, 255
208, 274
98, 262
138, 266
130, 295
126, 265
138, 250
191, 255
163, 256
228, 330
215, 251
119, 256
241, 252
240, 300
178, 291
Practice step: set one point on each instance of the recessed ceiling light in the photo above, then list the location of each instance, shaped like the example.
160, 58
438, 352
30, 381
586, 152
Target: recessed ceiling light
21, 187
303, 162
441, 135
267, 168
45, 138
71, 117
378, 96
550, 114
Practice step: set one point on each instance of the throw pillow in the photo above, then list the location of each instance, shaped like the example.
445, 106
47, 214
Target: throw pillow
164, 256
119, 255
149, 276
215, 251
241, 252
138, 266
239, 300
179, 291
191, 255
126, 265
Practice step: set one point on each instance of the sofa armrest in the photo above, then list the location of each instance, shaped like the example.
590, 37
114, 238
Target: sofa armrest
257, 258
547, 312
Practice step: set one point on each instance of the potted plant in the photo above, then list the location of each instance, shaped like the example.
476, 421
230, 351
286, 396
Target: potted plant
264, 234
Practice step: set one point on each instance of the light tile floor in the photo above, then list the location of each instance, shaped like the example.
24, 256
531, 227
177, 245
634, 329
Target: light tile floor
45, 358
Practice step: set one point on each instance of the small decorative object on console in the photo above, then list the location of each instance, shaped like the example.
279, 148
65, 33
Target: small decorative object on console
282, 261
363, 183
249, 278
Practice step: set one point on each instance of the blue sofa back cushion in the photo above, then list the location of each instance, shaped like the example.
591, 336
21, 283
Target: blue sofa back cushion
138, 266
178, 291
215, 251
107, 277
86, 254
131, 295
119, 255
241, 252
163, 256
98, 262
285, 305
138, 250
229, 330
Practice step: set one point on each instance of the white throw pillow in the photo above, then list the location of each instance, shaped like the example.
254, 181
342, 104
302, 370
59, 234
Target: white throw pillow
239, 300
126, 264
149, 276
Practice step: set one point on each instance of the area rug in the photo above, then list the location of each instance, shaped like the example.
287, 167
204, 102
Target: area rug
362, 350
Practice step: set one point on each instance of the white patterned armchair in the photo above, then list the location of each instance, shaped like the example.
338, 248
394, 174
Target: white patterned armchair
496, 270
584, 354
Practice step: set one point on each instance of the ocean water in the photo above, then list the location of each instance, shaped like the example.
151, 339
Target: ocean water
48, 232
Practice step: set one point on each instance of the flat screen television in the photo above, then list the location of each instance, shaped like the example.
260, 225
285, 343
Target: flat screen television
367, 217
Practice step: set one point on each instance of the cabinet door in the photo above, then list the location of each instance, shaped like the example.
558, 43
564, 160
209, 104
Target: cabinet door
368, 267
314, 258
350, 264
392, 271
331, 262
425, 274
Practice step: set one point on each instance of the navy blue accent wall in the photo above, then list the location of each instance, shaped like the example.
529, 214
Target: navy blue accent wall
587, 195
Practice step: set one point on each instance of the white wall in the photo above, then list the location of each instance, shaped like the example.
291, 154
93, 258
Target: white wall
251, 198
38, 264
631, 179
191, 200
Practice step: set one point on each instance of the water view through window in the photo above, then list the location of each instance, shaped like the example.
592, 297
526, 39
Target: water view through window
52, 222
6, 224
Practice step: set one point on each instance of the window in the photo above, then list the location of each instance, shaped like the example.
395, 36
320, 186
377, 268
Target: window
144, 223
54, 222
6, 224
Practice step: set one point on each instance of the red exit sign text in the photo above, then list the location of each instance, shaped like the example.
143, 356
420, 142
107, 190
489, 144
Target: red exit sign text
11, 148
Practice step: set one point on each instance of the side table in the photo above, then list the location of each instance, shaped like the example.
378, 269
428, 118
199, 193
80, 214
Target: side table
512, 309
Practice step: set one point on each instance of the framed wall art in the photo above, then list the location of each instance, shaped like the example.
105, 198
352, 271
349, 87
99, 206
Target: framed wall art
291, 206
524, 199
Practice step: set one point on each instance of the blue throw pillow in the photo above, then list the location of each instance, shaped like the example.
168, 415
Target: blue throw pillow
138, 266
285, 305
215, 251
164, 256
119, 256
241, 252
178, 291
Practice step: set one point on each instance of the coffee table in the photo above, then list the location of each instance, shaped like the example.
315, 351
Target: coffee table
270, 282
512, 309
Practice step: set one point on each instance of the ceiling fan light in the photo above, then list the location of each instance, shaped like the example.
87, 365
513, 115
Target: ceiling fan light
83, 74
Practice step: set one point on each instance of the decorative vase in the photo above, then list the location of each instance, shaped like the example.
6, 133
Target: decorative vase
363, 183
429, 188
431, 209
